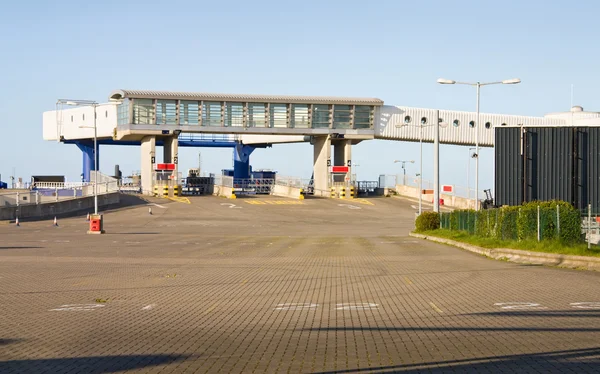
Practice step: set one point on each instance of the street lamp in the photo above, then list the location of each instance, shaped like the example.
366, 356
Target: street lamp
404, 169
93, 104
478, 85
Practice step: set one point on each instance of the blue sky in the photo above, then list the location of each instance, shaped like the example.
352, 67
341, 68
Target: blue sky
393, 50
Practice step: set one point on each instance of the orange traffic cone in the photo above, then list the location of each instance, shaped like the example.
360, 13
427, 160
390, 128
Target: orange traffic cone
55, 221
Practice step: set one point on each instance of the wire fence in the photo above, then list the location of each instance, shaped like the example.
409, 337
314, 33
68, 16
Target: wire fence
532, 221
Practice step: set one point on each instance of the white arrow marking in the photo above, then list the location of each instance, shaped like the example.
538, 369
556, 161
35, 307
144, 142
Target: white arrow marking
232, 205
78, 307
148, 307
350, 206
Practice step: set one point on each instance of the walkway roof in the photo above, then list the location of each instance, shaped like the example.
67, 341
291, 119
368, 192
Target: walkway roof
167, 95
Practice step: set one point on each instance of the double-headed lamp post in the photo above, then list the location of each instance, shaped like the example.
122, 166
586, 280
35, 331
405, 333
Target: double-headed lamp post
93, 104
404, 168
478, 85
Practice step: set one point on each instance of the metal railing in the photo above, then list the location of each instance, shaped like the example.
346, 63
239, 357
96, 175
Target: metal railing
412, 181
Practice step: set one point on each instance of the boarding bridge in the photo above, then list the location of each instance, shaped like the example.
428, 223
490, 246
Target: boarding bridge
244, 122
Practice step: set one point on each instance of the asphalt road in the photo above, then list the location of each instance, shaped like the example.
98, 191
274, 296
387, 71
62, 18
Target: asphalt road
276, 285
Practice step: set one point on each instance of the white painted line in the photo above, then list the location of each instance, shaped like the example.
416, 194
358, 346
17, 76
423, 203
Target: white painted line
231, 205
296, 306
357, 306
158, 205
132, 242
62, 241
414, 207
520, 306
148, 307
586, 305
78, 307
350, 206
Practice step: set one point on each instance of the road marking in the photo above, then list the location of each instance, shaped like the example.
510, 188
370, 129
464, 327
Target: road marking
78, 307
519, 305
132, 242
213, 307
350, 206
363, 201
296, 306
358, 306
148, 307
62, 241
158, 205
231, 205
274, 202
407, 280
414, 207
436, 308
245, 281
586, 305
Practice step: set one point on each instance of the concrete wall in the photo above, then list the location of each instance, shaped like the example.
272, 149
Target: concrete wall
449, 200
62, 208
223, 191
287, 191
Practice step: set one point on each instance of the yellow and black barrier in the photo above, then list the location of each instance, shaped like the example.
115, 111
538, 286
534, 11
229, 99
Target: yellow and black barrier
165, 190
155, 190
352, 192
332, 192
343, 193
176, 190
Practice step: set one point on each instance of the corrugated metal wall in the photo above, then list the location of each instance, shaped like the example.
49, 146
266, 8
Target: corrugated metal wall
548, 163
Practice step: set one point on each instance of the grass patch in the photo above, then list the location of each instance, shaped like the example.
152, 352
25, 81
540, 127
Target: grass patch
547, 246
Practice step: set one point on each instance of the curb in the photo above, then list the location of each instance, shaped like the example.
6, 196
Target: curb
522, 257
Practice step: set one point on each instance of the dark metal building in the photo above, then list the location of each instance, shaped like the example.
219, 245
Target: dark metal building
545, 163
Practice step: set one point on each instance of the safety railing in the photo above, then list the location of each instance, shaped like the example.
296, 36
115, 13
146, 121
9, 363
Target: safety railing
59, 185
47, 195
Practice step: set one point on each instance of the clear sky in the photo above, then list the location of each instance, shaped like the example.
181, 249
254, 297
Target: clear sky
393, 50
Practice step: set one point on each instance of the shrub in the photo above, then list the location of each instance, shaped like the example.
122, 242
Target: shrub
427, 221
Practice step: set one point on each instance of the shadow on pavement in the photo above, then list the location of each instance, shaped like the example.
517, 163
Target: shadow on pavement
96, 364
13, 247
8, 341
575, 360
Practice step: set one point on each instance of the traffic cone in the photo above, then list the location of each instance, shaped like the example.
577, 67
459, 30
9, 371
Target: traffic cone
17, 221
88, 217
150, 211
55, 221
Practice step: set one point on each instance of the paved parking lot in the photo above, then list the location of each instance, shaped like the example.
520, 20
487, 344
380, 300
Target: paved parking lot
276, 285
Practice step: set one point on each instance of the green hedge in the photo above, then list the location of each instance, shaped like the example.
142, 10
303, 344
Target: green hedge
519, 222
427, 221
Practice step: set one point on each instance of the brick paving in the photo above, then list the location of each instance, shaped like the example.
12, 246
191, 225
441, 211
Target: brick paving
270, 286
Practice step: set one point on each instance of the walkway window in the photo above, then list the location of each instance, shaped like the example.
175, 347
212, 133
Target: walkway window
188, 112
234, 114
320, 116
257, 115
143, 111
166, 112
211, 114
123, 113
342, 116
278, 115
299, 116
363, 117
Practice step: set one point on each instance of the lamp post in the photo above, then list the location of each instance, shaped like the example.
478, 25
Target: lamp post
478, 85
474, 155
404, 169
93, 104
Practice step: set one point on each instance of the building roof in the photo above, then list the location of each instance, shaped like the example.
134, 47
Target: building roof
167, 95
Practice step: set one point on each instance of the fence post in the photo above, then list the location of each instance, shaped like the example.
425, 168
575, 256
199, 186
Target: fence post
589, 228
37, 197
558, 220
56, 193
74, 192
538, 223
18, 199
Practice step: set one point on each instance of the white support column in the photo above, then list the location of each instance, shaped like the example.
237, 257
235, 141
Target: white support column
171, 151
322, 157
147, 160
348, 158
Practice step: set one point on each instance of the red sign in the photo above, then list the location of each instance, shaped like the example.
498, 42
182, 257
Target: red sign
165, 166
447, 188
339, 169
